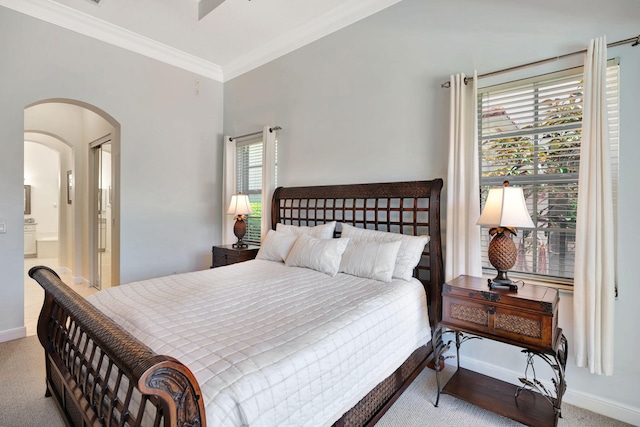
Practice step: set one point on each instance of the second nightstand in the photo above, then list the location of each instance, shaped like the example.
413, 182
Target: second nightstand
528, 319
226, 254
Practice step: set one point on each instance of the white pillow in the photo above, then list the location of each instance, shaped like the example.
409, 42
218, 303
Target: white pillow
318, 254
323, 231
371, 260
411, 247
276, 246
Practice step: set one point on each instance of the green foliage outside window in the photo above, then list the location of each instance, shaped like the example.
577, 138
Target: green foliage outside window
254, 223
538, 150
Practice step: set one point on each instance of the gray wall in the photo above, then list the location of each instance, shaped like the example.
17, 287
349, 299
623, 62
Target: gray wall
170, 184
365, 105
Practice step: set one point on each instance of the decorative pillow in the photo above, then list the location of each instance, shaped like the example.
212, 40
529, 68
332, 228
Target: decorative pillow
411, 247
318, 254
323, 231
276, 246
371, 260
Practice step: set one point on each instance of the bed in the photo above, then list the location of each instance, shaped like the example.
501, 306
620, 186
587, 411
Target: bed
101, 372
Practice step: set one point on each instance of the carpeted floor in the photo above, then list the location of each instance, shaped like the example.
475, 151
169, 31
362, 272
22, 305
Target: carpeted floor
22, 401
22, 379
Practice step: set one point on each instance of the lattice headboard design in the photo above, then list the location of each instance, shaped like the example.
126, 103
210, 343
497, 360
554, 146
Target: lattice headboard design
401, 207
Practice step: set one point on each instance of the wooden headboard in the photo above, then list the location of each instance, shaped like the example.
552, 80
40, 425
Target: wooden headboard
411, 207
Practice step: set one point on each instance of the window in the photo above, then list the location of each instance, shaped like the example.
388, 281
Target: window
249, 180
529, 133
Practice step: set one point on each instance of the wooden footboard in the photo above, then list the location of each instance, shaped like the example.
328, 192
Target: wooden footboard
101, 375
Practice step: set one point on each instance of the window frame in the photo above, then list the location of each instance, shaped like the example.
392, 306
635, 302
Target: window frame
244, 179
537, 179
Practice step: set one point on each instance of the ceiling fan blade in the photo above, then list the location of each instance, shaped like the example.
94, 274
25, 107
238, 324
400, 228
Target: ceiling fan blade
206, 6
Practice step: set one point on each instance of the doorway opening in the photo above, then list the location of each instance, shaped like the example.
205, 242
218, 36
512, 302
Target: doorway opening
69, 127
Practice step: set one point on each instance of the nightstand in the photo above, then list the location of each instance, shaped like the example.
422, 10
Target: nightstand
226, 254
528, 319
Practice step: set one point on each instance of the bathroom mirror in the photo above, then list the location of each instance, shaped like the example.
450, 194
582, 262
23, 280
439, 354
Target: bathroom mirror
27, 200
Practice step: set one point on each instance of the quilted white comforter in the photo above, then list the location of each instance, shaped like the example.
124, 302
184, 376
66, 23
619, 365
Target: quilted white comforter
274, 345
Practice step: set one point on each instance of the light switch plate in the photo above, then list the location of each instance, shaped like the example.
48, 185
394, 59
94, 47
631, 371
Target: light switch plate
3, 227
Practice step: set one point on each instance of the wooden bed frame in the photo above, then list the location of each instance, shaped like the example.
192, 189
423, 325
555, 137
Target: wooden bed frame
94, 367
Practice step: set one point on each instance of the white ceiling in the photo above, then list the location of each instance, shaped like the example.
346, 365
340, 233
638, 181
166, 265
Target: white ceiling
233, 38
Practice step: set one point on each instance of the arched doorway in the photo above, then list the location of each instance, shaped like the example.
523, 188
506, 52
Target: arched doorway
79, 124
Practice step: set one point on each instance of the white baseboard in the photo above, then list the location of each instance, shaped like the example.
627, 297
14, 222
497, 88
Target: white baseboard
604, 406
13, 334
593, 403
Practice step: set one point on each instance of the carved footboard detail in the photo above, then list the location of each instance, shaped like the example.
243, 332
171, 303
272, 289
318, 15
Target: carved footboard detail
178, 387
101, 375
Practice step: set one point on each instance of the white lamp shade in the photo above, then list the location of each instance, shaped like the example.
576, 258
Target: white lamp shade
240, 205
505, 207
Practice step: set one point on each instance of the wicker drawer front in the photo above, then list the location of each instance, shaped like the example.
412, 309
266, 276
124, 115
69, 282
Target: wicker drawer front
478, 315
518, 325
508, 324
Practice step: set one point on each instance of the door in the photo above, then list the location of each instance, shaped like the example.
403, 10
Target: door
102, 189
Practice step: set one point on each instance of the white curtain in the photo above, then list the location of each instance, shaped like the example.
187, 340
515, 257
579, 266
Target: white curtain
268, 176
594, 281
229, 182
228, 189
463, 198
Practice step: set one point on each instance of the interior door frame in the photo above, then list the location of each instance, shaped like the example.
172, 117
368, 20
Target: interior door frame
94, 253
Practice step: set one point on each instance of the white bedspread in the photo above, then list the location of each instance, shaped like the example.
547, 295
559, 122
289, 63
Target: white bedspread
274, 345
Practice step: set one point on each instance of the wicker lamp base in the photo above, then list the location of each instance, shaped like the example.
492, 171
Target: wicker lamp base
502, 256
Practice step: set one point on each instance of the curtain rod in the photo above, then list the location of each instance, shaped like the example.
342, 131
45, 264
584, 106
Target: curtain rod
273, 129
634, 40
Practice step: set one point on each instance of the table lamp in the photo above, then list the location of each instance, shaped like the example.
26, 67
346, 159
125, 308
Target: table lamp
504, 211
240, 207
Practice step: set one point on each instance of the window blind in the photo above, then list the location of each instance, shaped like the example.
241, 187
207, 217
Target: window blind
249, 160
530, 133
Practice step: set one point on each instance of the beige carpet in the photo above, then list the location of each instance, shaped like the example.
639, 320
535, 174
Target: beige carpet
22, 379
22, 401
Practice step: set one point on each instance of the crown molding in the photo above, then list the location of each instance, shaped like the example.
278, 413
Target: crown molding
79, 22
74, 20
309, 32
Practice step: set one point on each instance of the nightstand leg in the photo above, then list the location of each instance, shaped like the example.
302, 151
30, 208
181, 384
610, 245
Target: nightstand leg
561, 361
438, 350
458, 342
558, 363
